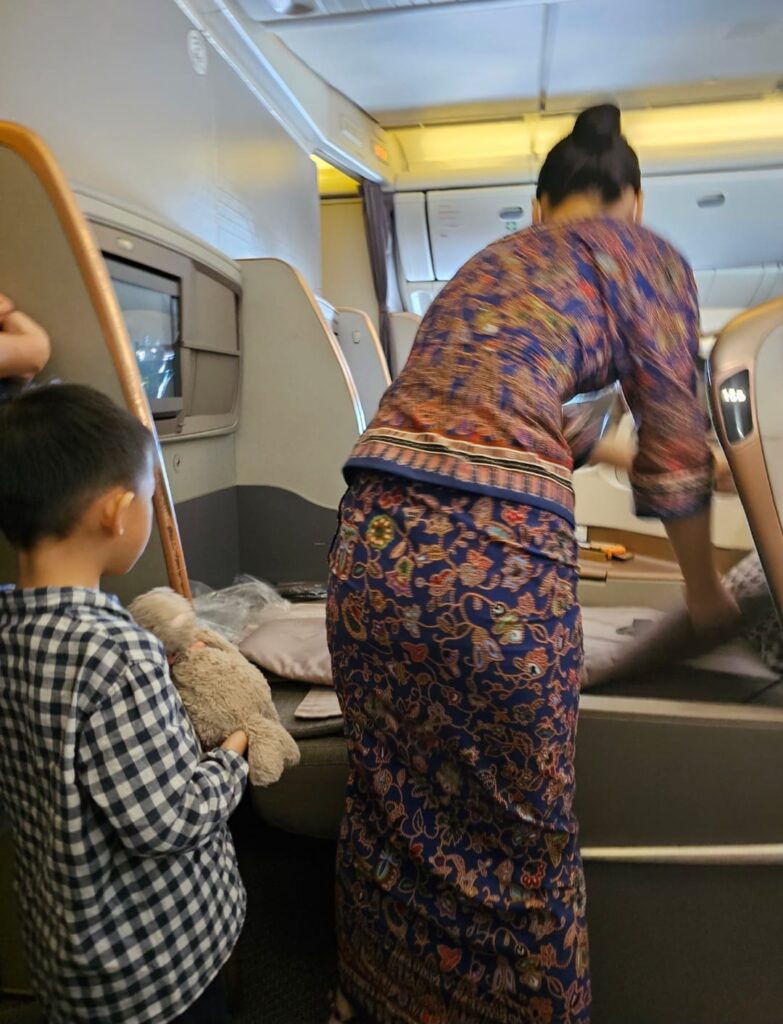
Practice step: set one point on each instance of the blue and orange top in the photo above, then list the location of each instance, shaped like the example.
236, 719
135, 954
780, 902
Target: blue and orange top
534, 319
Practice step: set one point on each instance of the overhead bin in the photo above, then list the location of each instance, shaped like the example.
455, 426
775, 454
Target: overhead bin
439, 231
463, 221
739, 287
719, 219
413, 241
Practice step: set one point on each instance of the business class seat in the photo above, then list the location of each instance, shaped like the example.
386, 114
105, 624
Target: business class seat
403, 328
745, 374
361, 347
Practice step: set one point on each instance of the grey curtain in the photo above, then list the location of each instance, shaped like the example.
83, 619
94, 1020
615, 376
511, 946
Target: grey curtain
377, 227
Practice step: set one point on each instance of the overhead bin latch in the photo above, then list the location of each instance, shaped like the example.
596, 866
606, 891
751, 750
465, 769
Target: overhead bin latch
512, 218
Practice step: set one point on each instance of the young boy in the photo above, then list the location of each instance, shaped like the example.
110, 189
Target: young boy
126, 873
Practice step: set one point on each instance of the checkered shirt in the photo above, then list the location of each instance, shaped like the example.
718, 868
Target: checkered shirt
126, 872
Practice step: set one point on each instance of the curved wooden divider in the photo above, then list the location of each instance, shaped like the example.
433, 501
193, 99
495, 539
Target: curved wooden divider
45, 246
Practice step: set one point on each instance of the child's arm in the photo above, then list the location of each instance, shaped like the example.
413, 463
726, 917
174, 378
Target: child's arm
140, 762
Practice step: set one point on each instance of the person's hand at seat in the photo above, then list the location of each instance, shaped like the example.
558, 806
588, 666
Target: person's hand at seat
24, 344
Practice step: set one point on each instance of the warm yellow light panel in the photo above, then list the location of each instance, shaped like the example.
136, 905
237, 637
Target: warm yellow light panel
653, 132
332, 182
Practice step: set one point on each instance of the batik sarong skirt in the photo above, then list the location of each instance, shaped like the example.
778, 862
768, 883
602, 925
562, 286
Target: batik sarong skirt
456, 647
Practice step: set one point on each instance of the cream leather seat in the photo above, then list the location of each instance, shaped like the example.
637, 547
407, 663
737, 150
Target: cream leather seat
746, 369
403, 328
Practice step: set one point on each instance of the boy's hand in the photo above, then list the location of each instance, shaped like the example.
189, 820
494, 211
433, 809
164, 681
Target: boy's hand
237, 742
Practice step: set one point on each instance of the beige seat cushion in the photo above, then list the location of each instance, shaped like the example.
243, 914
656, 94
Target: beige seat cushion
292, 644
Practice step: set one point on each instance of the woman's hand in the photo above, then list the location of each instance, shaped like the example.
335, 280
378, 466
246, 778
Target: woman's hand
723, 480
24, 344
614, 451
712, 608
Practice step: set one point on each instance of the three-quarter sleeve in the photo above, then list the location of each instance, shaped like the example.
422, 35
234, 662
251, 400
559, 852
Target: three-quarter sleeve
656, 353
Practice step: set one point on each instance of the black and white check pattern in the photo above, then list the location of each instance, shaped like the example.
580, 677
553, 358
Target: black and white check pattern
126, 872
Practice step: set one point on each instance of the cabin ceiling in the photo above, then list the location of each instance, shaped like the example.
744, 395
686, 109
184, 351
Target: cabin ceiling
412, 62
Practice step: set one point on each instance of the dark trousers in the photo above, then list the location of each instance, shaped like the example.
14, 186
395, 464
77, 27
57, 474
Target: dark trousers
210, 1007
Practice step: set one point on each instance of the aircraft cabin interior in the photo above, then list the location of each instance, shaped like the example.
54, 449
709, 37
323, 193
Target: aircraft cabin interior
231, 217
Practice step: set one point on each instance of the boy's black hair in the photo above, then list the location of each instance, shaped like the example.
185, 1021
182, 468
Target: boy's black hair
594, 158
60, 447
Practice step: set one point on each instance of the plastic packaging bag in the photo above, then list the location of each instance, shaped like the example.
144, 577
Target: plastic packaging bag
235, 611
299, 592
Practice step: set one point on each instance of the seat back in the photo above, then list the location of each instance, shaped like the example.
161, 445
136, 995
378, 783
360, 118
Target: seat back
746, 371
362, 350
51, 267
301, 416
403, 328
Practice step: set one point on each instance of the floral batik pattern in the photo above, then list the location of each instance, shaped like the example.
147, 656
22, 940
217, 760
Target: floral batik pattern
457, 649
534, 319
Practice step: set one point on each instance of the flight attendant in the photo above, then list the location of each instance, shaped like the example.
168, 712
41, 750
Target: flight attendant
453, 622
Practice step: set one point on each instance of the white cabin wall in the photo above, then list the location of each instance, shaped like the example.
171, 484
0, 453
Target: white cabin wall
109, 85
346, 277
111, 89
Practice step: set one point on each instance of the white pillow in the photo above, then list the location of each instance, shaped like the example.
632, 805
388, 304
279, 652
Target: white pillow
292, 644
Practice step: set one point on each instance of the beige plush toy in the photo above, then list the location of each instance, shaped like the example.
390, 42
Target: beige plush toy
220, 689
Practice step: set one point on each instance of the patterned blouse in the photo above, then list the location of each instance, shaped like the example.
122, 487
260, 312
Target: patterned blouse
528, 323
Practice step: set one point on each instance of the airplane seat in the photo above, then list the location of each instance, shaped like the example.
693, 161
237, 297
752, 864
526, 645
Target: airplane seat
745, 374
361, 347
51, 267
403, 328
327, 310
308, 800
300, 417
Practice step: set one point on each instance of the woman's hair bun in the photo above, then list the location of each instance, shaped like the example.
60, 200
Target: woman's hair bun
597, 128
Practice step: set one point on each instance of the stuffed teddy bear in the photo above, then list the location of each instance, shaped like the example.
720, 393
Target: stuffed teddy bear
220, 689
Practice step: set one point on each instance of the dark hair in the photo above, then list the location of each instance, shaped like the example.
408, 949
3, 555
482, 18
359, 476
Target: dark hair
595, 157
60, 447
